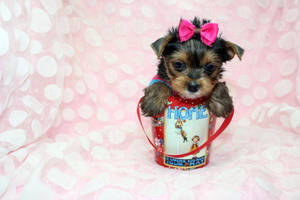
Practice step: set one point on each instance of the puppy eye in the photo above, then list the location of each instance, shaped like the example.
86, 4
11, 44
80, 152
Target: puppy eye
209, 69
179, 66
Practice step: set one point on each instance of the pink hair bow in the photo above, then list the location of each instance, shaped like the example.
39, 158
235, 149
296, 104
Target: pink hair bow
208, 32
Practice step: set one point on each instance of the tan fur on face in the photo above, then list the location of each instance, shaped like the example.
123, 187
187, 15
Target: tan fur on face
180, 80
210, 57
180, 55
180, 83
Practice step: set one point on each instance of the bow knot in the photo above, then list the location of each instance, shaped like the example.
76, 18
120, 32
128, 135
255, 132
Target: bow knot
208, 32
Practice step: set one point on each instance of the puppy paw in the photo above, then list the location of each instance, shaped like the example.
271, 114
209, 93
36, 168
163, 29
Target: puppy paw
220, 103
155, 99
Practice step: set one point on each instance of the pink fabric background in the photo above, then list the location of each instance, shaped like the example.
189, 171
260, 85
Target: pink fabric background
72, 71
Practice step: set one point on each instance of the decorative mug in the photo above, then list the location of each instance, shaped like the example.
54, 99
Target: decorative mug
183, 132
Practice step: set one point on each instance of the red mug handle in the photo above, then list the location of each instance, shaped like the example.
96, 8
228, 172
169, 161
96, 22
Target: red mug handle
211, 138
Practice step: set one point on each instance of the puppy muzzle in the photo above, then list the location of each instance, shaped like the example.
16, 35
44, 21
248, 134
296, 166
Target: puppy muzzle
193, 86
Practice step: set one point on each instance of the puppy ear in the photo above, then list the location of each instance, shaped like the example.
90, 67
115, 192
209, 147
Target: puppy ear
233, 49
159, 45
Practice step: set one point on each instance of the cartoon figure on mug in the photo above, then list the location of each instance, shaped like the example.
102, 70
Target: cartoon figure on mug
179, 125
183, 135
195, 141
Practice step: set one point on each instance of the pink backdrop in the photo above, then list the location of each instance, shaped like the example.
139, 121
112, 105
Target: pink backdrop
72, 71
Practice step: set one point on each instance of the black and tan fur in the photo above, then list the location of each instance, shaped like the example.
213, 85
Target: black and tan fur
202, 72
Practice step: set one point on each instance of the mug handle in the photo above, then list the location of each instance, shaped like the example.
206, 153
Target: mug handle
211, 138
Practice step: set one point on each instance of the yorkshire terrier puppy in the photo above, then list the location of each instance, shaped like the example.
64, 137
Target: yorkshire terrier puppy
192, 69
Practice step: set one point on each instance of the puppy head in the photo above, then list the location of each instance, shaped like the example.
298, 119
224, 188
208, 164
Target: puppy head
192, 67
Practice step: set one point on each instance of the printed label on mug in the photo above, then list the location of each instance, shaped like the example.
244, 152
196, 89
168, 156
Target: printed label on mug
185, 129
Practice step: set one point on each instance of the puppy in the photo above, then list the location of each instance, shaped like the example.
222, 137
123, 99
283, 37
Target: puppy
190, 69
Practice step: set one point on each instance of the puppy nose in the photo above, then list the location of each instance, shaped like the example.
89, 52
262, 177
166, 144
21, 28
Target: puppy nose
193, 86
